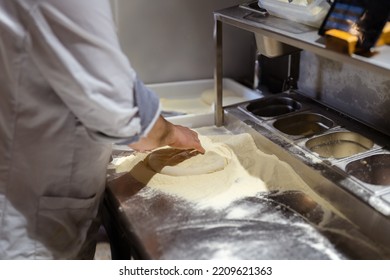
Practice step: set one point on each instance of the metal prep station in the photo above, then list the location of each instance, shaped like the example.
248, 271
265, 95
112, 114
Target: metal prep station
344, 161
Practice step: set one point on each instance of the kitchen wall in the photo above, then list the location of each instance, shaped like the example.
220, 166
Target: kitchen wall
357, 92
172, 40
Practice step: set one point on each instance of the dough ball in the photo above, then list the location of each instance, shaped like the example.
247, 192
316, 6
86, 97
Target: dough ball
229, 100
229, 97
186, 106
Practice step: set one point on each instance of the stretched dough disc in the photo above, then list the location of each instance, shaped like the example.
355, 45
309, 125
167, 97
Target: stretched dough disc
176, 162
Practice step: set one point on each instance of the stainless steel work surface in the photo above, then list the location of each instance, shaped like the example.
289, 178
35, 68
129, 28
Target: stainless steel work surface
272, 225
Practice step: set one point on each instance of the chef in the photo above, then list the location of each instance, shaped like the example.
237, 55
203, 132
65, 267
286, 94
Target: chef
67, 92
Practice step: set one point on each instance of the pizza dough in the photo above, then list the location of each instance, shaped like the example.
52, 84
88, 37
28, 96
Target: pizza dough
185, 105
229, 97
176, 162
231, 168
201, 105
298, 2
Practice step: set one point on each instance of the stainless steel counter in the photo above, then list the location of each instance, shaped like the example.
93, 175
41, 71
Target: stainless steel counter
149, 224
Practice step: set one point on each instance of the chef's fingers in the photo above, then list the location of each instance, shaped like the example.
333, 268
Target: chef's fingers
185, 138
164, 133
198, 147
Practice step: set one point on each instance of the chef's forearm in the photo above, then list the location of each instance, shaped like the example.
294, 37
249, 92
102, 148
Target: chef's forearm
158, 136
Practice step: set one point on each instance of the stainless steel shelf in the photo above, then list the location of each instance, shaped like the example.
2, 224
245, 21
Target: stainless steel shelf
300, 36
288, 32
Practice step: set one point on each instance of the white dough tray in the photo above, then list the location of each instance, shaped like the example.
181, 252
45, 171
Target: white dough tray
192, 92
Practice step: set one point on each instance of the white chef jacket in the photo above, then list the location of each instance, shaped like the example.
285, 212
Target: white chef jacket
67, 92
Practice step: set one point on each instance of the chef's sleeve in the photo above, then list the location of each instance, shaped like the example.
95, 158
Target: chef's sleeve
75, 46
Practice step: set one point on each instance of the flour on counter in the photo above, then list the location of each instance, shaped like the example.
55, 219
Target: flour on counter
246, 172
251, 230
176, 162
228, 211
123, 164
218, 186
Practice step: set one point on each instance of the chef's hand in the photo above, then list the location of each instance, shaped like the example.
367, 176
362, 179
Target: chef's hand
165, 133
